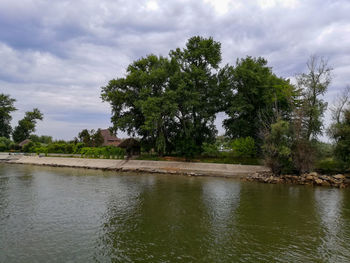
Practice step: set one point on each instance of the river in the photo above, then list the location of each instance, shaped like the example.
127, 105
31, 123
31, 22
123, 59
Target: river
76, 215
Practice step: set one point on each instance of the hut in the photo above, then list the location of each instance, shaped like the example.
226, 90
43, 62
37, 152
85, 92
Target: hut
131, 146
22, 143
109, 138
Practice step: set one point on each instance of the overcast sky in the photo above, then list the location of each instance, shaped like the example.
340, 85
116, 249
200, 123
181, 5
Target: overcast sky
56, 54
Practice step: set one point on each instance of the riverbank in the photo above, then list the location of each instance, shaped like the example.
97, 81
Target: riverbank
338, 180
169, 167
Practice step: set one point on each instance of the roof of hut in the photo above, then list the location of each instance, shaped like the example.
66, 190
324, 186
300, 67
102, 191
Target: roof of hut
22, 143
129, 143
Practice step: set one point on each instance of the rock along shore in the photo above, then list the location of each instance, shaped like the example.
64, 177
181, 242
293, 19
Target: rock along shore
185, 168
338, 180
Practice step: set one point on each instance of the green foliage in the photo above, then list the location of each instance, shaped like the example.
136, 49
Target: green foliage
108, 152
30, 147
41, 149
6, 107
170, 102
57, 147
42, 139
277, 148
323, 150
5, 144
27, 125
210, 150
312, 85
85, 137
91, 138
255, 94
243, 147
77, 147
329, 166
342, 137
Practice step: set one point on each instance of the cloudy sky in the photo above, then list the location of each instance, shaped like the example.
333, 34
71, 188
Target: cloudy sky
56, 54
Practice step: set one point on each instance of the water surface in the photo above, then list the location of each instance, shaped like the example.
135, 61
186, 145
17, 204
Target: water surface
75, 215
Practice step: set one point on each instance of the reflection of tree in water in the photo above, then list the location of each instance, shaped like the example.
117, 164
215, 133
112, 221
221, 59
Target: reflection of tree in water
4, 181
166, 222
222, 198
335, 241
276, 223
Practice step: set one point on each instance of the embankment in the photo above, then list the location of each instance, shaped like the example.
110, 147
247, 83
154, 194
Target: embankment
187, 168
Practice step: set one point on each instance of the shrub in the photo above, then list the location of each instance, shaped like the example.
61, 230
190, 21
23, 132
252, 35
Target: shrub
30, 147
56, 147
210, 150
41, 149
5, 144
277, 148
342, 137
244, 147
329, 166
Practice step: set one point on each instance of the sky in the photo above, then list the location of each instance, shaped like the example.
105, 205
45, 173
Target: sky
57, 54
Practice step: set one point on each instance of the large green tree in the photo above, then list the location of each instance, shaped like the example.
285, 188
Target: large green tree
170, 102
6, 107
256, 96
200, 88
27, 125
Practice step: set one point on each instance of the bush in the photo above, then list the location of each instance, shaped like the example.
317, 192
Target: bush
342, 137
277, 148
57, 147
30, 147
244, 147
5, 144
106, 152
42, 149
210, 150
329, 166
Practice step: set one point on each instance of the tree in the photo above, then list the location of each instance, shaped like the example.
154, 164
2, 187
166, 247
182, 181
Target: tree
309, 111
170, 102
256, 94
337, 110
84, 137
342, 137
6, 107
91, 138
97, 138
27, 125
277, 147
312, 85
340, 128
200, 93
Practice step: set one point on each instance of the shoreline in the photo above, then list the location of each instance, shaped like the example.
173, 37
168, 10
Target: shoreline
249, 173
169, 167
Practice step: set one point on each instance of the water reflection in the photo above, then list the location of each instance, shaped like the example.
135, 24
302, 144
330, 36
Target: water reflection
73, 215
329, 204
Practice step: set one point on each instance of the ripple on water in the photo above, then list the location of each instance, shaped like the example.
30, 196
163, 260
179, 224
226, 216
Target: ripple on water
73, 215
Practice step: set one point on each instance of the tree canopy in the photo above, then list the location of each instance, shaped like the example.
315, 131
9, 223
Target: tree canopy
6, 107
27, 125
255, 96
172, 102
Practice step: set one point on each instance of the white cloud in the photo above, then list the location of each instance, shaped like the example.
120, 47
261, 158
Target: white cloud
56, 54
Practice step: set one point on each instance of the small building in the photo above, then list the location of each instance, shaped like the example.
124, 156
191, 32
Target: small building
131, 146
22, 143
109, 139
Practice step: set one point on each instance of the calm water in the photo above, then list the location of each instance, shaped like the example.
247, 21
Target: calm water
73, 215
